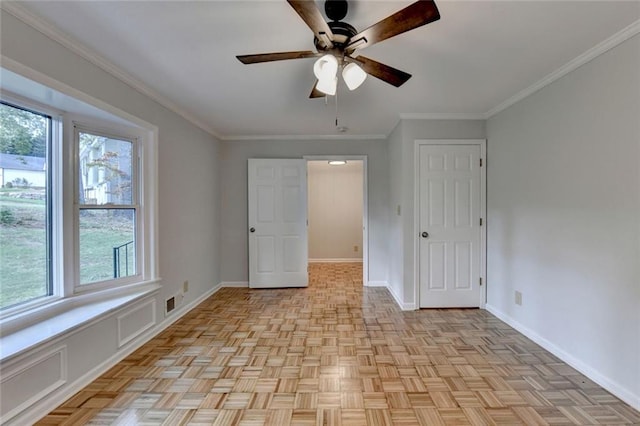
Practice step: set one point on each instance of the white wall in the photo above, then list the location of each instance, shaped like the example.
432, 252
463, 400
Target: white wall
234, 253
335, 210
396, 210
401, 151
36, 179
563, 217
188, 226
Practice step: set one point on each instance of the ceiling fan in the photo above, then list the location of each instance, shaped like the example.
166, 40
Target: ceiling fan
336, 42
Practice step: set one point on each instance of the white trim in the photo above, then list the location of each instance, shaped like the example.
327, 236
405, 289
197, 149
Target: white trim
45, 80
53, 185
62, 350
52, 321
365, 203
442, 116
482, 143
594, 52
55, 34
402, 305
234, 284
336, 260
123, 340
148, 137
619, 391
35, 412
377, 284
138, 148
340, 137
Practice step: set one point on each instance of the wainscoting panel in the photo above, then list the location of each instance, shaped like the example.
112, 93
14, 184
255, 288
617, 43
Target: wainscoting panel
31, 379
136, 321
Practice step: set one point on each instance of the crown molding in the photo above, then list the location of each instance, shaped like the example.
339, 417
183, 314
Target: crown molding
340, 137
57, 35
600, 48
54, 33
442, 116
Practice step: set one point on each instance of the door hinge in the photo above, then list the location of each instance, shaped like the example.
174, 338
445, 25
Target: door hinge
480, 221
481, 281
481, 162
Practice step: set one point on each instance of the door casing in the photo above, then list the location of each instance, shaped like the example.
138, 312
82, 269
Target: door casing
483, 212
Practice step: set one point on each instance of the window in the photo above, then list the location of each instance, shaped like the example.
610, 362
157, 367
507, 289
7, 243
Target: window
77, 207
107, 206
25, 206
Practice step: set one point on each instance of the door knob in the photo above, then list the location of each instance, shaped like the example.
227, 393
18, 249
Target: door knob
425, 235
252, 229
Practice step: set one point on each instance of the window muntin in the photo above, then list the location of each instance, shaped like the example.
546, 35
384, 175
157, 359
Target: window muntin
25, 206
63, 212
107, 206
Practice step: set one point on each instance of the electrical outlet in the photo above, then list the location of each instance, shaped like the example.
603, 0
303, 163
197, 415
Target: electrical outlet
355, 248
185, 286
518, 298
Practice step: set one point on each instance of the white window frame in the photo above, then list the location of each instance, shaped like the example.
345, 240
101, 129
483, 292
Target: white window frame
136, 183
54, 190
66, 291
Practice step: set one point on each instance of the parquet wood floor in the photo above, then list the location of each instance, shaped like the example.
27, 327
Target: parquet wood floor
336, 353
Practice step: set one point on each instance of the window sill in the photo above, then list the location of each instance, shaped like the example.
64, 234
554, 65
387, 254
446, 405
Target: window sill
44, 324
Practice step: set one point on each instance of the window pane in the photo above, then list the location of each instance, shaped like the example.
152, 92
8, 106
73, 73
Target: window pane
105, 170
107, 244
24, 263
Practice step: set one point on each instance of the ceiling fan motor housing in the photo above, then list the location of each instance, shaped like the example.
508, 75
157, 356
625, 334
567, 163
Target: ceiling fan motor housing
342, 33
336, 9
340, 40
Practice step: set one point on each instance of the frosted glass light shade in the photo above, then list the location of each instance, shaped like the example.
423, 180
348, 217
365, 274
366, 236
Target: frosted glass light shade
353, 76
328, 86
326, 68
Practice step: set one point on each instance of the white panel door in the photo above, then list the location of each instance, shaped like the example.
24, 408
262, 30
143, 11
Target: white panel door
449, 225
278, 247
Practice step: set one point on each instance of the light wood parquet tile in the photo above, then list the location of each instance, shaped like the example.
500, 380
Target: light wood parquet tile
336, 353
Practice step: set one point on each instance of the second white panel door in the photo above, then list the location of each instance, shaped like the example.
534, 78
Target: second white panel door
449, 206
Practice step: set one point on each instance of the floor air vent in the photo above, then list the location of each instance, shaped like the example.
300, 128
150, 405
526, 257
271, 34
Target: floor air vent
171, 304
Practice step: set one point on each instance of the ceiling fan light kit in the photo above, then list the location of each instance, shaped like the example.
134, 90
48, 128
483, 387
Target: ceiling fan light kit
353, 75
337, 41
328, 85
326, 67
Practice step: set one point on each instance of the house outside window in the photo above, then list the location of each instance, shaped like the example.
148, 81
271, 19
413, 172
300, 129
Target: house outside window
77, 206
107, 206
25, 206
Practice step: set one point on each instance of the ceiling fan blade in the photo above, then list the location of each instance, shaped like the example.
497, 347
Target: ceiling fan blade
312, 16
315, 93
413, 16
279, 56
388, 74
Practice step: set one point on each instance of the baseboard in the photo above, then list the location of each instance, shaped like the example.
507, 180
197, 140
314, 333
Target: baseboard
402, 305
608, 384
377, 284
336, 260
46, 405
234, 284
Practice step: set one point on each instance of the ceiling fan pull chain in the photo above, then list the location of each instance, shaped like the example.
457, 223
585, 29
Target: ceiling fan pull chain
336, 108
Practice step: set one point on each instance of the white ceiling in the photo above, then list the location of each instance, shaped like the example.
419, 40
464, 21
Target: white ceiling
477, 56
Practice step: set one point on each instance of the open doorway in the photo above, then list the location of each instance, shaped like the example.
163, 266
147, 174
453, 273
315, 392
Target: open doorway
337, 211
